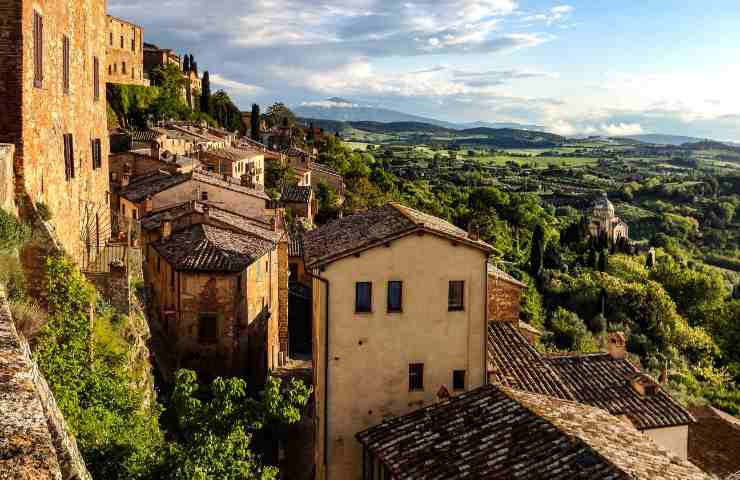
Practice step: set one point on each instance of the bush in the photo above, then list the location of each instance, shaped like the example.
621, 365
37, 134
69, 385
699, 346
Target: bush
570, 333
597, 324
28, 317
43, 210
13, 232
639, 344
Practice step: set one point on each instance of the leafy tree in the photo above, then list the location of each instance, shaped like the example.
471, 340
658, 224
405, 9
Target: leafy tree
593, 258
228, 115
279, 115
569, 332
597, 324
205, 94
255, 122
216, 426
603, 260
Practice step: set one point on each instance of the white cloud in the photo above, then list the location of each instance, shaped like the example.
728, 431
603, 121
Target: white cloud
217, 79
330, 104
621, 129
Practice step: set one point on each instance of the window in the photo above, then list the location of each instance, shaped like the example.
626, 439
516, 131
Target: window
110, 39
363, 297
207, 328
395, 296
115, 68
455, 301
110, 69
96, 154
293, 272
69, 156
416, 377
159, 264
38, 50
123, 68
65, 64
96, 79
133, 43
121, 41
458, 379
204, 196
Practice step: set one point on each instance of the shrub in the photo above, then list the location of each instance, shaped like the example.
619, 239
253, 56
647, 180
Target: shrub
597, 324
13, 232
570, 333
43, 210
28, 317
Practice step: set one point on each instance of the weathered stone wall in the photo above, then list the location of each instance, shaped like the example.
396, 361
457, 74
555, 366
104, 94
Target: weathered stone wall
125, 52
7, 181
11, 57
504, 300
114, 286
46, 113
34, 440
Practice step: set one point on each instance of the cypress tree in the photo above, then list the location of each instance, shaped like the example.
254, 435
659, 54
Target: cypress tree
604, 260
593, 258
185, 63
255, 122
537, 254
193, 65
205, 95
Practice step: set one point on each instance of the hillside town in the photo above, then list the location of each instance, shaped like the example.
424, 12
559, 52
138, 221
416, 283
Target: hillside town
389, 342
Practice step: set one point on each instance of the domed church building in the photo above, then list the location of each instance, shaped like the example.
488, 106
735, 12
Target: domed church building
604, 221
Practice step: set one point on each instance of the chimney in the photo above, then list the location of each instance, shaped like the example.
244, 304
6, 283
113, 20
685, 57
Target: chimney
643, 385
473, 231
274, 222
206, 213
443, 394
125, 179
617, 345
148, 205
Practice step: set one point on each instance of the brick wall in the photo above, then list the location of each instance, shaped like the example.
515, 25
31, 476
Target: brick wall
43, 115
124, 65
503, 300
283, 296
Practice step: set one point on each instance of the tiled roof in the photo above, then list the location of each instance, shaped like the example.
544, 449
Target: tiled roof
501, 275
603, 381
367, 229
144, 136
322, 168
260, 227
493, 432
207, 248
296, 194
296, 152
714, 442
156, 182
233, 154
513, 362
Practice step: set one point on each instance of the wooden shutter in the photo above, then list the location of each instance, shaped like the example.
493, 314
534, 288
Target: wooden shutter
65, 61
96, 79
38, 50
69, 157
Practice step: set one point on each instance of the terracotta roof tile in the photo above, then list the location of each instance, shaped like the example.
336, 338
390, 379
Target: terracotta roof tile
714, 442
493, 432
206, 248
514, 362
603, 381
296, 194
367, 229
501, 275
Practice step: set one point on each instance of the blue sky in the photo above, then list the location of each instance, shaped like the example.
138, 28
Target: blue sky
574, 67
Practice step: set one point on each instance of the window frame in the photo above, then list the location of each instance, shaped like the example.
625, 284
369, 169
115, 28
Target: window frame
65, 64
393, 308
416, 377
361, 308
96, 79
456, 307
69, 156
455, 378
97, 154
38, 49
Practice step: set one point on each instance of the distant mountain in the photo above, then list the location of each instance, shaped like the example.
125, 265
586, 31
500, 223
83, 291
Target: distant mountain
343, 110
659, 139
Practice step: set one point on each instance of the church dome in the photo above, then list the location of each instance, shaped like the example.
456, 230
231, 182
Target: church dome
603, 207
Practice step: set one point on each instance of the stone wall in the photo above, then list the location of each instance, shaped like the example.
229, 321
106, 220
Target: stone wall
114, 286
7, 181
34, 439
504, 300
124, 52
283, 299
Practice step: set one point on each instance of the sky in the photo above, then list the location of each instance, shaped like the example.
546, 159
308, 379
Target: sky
600, 67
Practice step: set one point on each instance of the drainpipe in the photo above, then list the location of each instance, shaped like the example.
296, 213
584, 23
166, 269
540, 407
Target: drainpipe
326, 362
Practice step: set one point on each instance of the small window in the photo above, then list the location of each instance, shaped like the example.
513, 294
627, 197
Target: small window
363, 297
416, 377
65, 64
38, 50
115, 68
204, 196
455, 301
207, 328
96, 79
121, 41
458, 380
110, 69
123, 68
69, 157
172, 277
395, 296
96, 154
110, 38
133, 43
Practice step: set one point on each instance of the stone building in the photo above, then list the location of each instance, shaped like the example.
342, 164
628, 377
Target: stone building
604, 222
215, 295
392, 288
300, 201
500, 433
159, 57
53, 104
604, 380
245, 164
125, 52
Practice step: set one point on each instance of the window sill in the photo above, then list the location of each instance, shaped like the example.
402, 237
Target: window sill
363, 312
416, 390
456, 309
394, 311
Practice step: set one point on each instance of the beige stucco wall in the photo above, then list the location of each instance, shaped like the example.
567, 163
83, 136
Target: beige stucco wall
236, 201
370, 353
673, 439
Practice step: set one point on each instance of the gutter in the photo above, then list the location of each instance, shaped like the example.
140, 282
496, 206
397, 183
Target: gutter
326, 361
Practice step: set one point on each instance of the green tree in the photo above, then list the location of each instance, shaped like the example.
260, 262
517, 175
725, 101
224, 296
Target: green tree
255, 122
537, 254
216, 425
205, 94
279, 115
570, 333
604, 260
